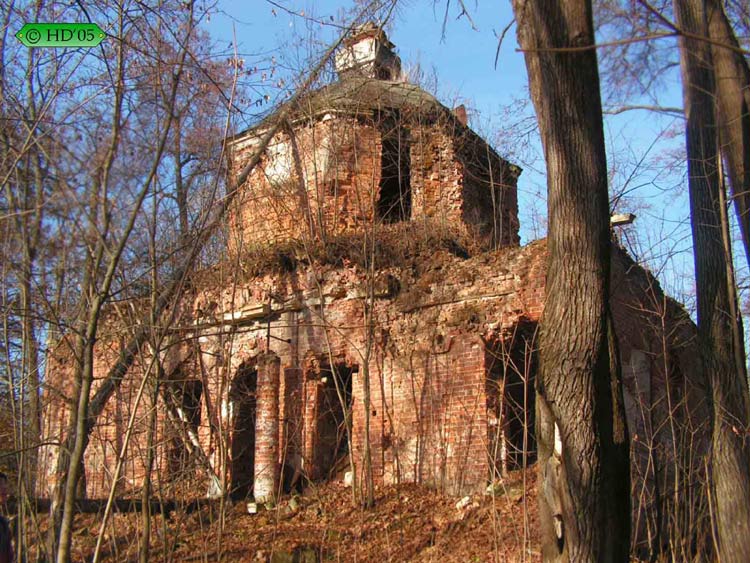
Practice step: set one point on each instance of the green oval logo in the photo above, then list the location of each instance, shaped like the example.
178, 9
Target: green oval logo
60, 35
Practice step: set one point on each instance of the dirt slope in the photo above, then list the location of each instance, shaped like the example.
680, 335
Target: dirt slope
408, 523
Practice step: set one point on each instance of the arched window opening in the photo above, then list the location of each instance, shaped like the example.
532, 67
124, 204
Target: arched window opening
394, 204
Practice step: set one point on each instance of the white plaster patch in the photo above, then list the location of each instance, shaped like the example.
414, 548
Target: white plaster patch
361, 52
280, 162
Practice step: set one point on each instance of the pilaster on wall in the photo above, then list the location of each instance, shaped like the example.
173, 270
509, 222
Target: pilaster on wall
292, 424
267, 428
310, 415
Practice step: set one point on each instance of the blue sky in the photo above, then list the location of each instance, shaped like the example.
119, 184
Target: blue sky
464, 57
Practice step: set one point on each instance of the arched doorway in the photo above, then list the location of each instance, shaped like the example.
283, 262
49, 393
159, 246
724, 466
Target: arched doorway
334, 405
511, 372
242, 396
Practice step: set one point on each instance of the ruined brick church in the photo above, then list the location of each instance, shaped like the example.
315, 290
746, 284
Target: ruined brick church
376, 241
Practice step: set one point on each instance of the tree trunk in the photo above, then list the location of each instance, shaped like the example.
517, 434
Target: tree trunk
732, 81
584, 496
80, 441
717, 328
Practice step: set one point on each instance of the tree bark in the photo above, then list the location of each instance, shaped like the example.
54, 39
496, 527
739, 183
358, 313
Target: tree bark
584, 497
732, 82
717, 327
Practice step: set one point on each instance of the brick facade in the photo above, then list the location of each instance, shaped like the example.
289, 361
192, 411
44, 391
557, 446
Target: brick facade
440, 345
327, 174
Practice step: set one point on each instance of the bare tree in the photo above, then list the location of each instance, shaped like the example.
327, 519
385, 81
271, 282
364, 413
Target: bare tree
582, 436
732, 90
99, 282
719, 325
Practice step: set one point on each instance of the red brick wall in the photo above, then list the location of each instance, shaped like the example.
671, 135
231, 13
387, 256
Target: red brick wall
427, 363
332, 182
323, 179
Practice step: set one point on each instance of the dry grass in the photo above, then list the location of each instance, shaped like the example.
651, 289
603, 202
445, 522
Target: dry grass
408, 523
396, 245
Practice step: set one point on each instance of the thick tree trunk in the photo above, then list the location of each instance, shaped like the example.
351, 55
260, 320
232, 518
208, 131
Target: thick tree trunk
583, 444
732, 77
717, 328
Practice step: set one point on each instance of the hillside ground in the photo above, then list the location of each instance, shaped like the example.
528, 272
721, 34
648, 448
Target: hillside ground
408, 523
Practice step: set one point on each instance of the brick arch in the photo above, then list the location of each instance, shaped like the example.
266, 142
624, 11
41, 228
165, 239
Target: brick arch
325, 443
242, 398
247, 354
511, 368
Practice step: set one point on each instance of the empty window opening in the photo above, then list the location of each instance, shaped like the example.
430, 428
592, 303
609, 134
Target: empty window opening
185, 397
511, 404
242, 396
394, 204
335, 400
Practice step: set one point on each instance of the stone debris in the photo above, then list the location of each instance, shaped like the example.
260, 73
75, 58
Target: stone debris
463, 503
